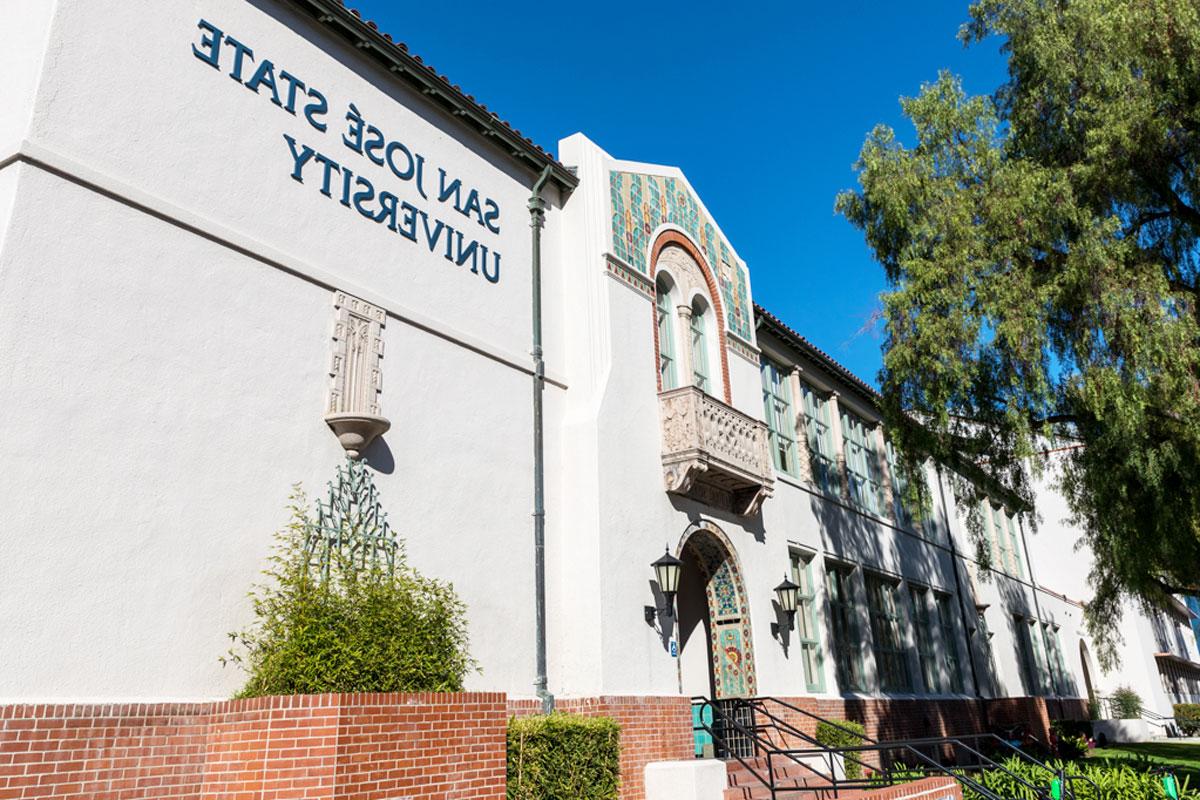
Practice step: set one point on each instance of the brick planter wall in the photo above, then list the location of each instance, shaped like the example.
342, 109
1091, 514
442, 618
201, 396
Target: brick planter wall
652, 729
273, 748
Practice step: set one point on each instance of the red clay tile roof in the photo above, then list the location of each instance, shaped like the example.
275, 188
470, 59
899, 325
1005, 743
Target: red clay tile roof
801, 343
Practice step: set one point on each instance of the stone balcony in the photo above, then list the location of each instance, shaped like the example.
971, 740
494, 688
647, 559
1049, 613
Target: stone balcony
714, 453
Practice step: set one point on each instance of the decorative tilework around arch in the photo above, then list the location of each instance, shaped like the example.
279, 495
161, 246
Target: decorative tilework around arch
731, 646
642, 203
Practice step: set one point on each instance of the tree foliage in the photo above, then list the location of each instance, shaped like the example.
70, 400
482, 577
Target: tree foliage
1041, 251
348, 624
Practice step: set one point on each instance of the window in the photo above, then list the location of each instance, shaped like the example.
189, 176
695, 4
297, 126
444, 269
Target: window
983, 639
699, 349
899, 478
945, 615
1054, 659
891, 660
999, 538
819, 431
806, 623
843, 626
862, 462
1014, 541
1029, 653
666, 337
781, 422
923, 626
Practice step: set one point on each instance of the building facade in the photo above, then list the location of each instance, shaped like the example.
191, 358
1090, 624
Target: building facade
226, 227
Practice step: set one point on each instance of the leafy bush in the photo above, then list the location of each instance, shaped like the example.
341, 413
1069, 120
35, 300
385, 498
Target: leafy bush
348, 623
563, 757
1093, 709
1071, 737
1126, 703
1127, 781
1187, 716
844, 734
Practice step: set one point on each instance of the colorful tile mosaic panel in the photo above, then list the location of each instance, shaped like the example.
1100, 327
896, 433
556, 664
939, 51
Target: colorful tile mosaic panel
641, 203
731, 651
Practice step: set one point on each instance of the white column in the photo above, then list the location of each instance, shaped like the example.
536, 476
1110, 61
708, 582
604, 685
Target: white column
687, 375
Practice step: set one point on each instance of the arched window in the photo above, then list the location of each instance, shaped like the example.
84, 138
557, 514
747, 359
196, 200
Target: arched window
666, 335
699, 345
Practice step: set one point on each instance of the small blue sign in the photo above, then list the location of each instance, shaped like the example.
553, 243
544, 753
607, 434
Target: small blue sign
674, 649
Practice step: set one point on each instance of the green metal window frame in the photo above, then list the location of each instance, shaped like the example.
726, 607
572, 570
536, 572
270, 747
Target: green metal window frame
1014, 541
891, 656
1028, 633
699, 338
843, 628
806, 617
1000, 538
923, 635
819, 431
900, 480
781, 420
945, 612
666, 338
862, 462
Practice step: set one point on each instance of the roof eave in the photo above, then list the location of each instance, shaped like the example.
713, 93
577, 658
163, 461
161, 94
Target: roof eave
410, 69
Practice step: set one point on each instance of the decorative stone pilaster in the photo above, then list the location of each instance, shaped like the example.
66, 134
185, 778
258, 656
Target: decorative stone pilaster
803, 453
885, 476
835, 427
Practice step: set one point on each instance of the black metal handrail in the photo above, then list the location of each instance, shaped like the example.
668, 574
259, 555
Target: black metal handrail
929, 741
796, 755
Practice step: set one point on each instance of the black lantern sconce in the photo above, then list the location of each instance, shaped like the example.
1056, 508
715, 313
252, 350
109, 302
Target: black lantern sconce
787, 594
666, 573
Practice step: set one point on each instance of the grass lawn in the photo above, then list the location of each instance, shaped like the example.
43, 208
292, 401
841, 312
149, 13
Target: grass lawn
1185, 757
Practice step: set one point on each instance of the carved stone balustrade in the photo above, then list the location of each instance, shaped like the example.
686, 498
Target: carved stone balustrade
714, 453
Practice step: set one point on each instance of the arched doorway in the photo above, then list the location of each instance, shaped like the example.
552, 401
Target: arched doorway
716, 650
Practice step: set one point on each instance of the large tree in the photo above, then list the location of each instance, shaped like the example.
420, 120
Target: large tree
1041, 253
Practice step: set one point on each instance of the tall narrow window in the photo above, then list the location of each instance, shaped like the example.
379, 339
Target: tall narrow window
843, 626
1054, 659
945, 613
699, 349
862, 462
806, 623
1029, 653
923, 627
1000, 538
891, 660
781, 422
1014, 541
666, 337
819, 431
899, 477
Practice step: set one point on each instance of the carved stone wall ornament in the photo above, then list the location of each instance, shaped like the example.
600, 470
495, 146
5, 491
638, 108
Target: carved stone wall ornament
356, 373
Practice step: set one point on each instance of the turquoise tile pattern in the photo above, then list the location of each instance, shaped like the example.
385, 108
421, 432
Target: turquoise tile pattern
641, 203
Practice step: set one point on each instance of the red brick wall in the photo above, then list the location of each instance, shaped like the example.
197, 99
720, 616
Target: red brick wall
652, 729
352, 746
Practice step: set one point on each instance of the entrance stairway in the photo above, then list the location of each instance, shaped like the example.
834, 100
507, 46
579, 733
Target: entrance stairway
794, 780
768, 756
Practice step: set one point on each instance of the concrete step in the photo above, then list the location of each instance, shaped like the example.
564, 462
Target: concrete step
744, 785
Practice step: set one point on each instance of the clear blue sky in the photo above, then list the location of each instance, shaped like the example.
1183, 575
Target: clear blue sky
763, 105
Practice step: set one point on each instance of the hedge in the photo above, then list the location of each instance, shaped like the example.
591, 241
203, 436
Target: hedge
1187, 716
844, 734
563, 757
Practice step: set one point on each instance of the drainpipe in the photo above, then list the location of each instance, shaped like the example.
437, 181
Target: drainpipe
962, 608
537, 219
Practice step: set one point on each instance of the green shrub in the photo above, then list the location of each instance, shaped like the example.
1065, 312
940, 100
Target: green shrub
1126, 703
1126, 781
1093, 709
347, 623
1187, 716
844, 734
563, 757
1071, 737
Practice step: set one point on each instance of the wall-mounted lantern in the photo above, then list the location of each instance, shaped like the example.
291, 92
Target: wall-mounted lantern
787, 594
666, 572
